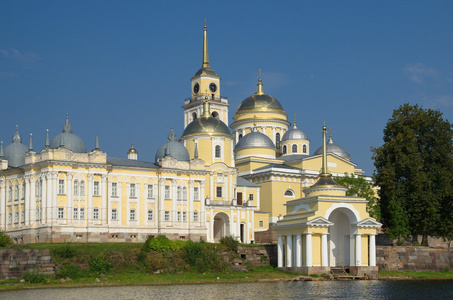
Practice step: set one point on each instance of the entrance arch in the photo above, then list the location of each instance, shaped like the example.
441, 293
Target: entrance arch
340, 236
221, 226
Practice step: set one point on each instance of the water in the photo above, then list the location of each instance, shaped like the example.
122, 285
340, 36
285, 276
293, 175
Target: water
367, 289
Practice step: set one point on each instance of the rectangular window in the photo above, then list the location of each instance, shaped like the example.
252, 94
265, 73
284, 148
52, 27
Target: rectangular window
82, 213
96, 188
178, 216
38, 213
167, 192
82, 188
60, 186
16, 217
22, 216
196, 194
250, 197
150, 214
184, 194
195, 216
261, 223
76, 213
76, 187
96, 213
23, 191
184, 216
179, 193
132, 214
61, 213
132, 190
114, 214
16, 192
219, 192
167, 215
150, 191
10, 218
10, 193
114, 189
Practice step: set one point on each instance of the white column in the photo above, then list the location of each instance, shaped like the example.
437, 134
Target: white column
173, 202
27, 180
372, 260
202, 203
90, 199
289, 252
211, 182
44, 198
324, 252
358, 249
32, 200
298, 250
70, 204
280, 251
104, 205
2, 204
161, 208
273, 133
308, 250
190, 216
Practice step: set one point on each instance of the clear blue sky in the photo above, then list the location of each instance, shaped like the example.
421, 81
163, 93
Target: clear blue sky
122, 69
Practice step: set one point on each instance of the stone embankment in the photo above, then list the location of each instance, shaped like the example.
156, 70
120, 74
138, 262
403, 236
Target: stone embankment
13, 262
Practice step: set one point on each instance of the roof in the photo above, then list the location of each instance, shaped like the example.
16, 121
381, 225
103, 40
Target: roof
124, 162
293, 157
277, 166
244, 182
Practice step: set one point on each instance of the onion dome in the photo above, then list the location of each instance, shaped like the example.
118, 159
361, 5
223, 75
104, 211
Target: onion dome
15, 152
255, 139
172, 148
206, 125
260, 102
68, 140
334, 149
294, 134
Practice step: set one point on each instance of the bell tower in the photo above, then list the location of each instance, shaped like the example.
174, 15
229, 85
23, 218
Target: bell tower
205, 86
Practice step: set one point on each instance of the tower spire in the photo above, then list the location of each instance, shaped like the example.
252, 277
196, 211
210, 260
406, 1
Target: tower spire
324, 151
47, 145
260, 85
30, 148
205, 63
2, 154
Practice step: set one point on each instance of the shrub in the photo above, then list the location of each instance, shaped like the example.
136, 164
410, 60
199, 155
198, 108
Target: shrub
203, 257
34, 277
162, 244
230, 243
65, 251
71, 271
99, 264
5, 239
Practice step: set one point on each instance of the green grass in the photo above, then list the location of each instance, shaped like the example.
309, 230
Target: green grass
417, 275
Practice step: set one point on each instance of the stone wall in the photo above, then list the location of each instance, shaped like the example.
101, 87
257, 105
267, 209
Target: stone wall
257, 256
13, 262
411, 258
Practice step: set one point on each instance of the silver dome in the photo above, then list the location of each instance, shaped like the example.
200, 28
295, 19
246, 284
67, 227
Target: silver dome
254, 139
68, 140
331, 147
294, 134
15, 152
172, 148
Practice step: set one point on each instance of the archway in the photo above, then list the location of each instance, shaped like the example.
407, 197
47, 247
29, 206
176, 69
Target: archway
221, 226
339, 235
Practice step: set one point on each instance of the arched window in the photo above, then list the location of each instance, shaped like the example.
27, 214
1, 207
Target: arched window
218, 151
215, 114
240, 136
76, 187
277, 140
284, 149
179, 193
82, 187
304, 148
184, 193
194, 116
289, 193
294, 148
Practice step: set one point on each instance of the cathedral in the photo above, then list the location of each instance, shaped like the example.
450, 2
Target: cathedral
211, 182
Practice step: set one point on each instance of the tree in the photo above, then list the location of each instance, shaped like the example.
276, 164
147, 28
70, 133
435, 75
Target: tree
414, 170
359, 186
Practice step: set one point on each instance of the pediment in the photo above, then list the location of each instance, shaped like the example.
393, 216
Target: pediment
319, 222
369, 223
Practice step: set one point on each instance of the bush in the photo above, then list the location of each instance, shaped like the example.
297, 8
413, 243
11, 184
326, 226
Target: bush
71, 271
34, 277
5, 239
203, 257
65, 251
99, 264
230, 243
162, 244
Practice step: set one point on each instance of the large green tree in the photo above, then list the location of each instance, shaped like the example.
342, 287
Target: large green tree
414, 170
359, 186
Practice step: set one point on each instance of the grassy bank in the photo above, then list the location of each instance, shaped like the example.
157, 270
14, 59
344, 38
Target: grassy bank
415, 275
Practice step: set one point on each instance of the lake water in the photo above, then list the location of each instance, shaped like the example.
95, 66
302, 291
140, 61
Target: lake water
365, 289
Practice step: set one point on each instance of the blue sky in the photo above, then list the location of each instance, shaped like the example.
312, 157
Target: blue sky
122, 69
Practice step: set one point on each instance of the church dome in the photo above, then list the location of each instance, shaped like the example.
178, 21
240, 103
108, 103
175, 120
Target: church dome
254, 139
294, 134
68, 140
333, 148
206, 124
260, 102
15, 152
172, 148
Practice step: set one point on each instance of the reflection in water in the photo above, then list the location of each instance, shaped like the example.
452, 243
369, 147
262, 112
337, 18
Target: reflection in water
400, 289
